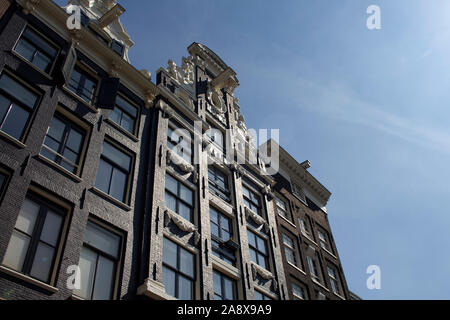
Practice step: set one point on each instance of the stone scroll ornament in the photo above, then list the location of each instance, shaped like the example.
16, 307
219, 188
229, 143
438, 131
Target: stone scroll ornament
182, 224
263, 273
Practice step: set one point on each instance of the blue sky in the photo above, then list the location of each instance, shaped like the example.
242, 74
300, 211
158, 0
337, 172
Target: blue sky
369, 109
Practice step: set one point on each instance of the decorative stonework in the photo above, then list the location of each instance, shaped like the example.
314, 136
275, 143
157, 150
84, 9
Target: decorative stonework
30, 5
174, 158
263, 273
181, 223
255, 217
185, 73
77, 35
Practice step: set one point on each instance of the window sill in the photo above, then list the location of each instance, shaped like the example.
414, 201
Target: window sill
329, 253
122, 130
111, 199
339, 296
297, 268
287, 220
319, 284
20, 57
77, 97
308, 237
76, 298
225, 267
12, 140
28, 279
59, 168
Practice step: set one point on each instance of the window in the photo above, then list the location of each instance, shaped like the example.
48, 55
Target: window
224, 287
124, 114
99, 263
298, 192
63, 143
221, 232
37, 50
313, 266
215, 136
179, 198
16, 106
324, 239
83, 84
251, 200
334, 280
178, 271
305, 226
35, 240
290, 250
113, 172
259, 296
118, 47
282, 208
258, 250
299, 292
179, 141
218, 183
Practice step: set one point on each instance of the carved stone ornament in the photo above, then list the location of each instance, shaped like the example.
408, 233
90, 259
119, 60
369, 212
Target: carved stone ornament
114, 69
167, 111
30, 5
184, 96
185, 73
150, 96
215, 97
182, 224
77, 35
255, 217
174, 158
263, 273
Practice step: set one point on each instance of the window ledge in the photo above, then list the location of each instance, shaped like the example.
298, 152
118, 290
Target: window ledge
122, 130
329, 253
77, 97
28, 279
297, 268
339, 296
308, 237
154, 290
77, 298
226, 267
111, 199
13, 140
287, 220
23, 59
319, 284
60, 168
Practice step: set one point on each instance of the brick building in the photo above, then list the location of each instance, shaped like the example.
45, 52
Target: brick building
132, 183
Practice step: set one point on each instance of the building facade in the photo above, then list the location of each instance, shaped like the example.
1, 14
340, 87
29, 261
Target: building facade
117, 187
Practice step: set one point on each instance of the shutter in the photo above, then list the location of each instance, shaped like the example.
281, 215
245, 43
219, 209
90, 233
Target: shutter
118, 48
108, 93
69, 64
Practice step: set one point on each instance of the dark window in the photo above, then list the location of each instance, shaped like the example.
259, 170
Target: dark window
215, 136
85, 20
224, 287
99, 263
258, 250
178, 271
290, 250
218, 183
124, 114
179, 141
118, 48
37, 50
99, 36
251, 200
179, 198
83, 84
282, 208
259, 296
63, 143
36, 236
299, 292
113, 172
221, 232
313, 266
16, 106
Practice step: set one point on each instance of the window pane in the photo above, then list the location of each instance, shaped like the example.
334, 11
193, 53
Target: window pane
40, 42
51, 229
186, 262
74, 141
262, 261
251, 239
118, 185
102, 239
125, 105
169, 281
185, 194
184, 288
116, 115
214, 230
15, 122
104, 172
42, 262
229, 288
56, 129
127, 123
115, 155
104, 278
42, 62
171, 202
88, 260
253, 255
171, 184
18, 91
17, 250
27, 217
25, 49
184, 211
261, 245
170, 253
